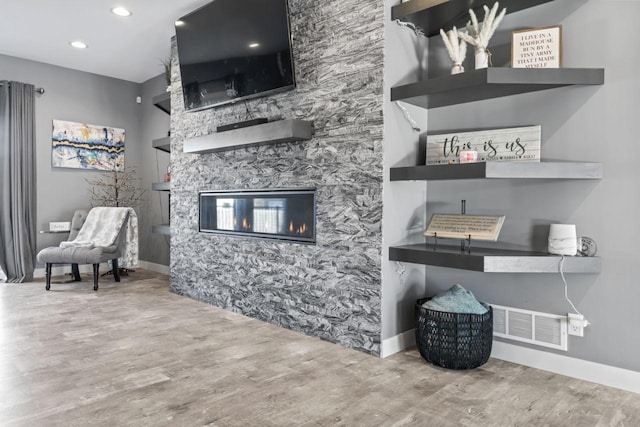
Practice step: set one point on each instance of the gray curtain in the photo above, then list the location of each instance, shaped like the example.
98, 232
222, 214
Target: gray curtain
17, 181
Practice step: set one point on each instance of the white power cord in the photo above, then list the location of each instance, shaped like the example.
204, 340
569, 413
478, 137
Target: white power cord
405, 112
400, 271
566, 286
417, 30
566, 292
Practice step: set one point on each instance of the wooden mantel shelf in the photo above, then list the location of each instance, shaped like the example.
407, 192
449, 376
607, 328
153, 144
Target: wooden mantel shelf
268, 133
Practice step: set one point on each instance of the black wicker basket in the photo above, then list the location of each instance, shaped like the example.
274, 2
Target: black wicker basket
453, 340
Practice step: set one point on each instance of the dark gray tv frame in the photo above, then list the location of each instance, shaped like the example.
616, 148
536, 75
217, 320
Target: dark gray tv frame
287, 88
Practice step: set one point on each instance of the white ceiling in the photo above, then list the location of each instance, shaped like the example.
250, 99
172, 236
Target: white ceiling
130, 48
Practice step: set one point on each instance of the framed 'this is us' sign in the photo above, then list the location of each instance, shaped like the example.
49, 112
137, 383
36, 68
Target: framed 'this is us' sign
521, 144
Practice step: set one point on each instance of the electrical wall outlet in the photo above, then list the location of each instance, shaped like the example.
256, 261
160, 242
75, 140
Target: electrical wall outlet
577, 323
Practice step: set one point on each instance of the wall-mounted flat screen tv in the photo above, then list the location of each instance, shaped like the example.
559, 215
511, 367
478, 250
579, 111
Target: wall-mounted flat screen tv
232, 50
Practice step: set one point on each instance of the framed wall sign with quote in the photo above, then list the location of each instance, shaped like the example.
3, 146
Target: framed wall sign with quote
537, 48
521, 144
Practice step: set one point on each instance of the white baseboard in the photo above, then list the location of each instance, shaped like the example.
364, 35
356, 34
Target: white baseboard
62, 269
610, 376
398, 343
158, 268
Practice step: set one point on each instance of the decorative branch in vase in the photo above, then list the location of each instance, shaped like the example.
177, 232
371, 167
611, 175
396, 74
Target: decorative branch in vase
479, 37
166, 64
117, 188
456, 47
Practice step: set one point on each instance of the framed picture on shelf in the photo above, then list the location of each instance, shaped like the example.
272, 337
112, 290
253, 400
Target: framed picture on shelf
537, 48
453, 226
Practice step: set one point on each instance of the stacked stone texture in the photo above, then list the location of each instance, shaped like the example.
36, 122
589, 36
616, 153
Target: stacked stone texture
331, 290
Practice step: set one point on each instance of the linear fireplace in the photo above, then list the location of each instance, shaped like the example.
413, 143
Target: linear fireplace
272, 214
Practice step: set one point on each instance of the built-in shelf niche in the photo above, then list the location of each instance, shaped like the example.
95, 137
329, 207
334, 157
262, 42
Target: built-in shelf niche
161, 186
487, 83
162, 144
163, 102
499, 170
431, 15
161, 229
491, 260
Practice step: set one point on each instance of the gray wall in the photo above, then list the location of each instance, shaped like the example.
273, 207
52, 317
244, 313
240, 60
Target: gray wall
155, 124
403, 213
74, 96
330, 290
90, 98
578, 123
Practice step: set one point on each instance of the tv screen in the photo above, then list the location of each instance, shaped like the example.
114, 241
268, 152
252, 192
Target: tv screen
232, 50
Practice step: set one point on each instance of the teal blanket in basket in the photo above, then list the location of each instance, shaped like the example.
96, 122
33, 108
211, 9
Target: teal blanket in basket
456, 300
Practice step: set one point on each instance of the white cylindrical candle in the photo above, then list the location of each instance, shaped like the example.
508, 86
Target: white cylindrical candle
563, 239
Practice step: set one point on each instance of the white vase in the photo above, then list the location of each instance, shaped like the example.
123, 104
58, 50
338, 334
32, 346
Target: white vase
457, 68
482, 58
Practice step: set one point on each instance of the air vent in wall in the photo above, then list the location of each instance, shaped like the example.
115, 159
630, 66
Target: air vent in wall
547, 330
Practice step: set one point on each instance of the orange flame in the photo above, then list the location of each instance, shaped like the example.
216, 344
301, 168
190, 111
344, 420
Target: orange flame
245, 224
290, 226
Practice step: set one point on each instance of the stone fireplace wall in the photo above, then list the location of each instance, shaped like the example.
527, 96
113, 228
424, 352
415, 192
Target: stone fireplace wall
331, 290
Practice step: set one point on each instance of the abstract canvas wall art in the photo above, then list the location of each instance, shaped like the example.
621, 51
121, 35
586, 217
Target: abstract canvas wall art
84, 146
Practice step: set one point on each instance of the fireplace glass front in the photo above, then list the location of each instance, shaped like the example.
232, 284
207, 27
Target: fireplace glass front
272, 214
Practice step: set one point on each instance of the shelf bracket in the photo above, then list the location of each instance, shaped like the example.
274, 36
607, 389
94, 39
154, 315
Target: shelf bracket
468, 246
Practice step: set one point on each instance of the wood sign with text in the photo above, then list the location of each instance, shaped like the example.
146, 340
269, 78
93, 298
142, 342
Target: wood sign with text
479, 227
537, 48
521, 144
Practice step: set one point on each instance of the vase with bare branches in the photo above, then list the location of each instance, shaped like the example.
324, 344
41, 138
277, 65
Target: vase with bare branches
118, 188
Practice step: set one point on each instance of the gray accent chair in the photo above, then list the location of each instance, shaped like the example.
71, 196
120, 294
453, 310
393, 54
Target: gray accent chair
79, 255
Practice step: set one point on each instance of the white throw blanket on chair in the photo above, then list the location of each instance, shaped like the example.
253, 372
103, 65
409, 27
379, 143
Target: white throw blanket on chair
102, 227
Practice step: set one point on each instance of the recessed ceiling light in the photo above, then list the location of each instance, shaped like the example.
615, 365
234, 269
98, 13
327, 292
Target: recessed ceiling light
254, 45
78, 44
121, 11
179, 23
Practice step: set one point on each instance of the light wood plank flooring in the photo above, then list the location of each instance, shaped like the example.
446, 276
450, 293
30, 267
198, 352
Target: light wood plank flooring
133, 354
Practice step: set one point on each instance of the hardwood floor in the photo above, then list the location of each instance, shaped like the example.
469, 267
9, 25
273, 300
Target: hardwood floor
133, 354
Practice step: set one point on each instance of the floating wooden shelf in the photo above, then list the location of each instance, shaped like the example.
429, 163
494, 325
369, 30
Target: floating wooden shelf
492, 260
431, 15
162, 144
496, 170
163, 102
490, 83
161, 229
267, 133
161, 186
